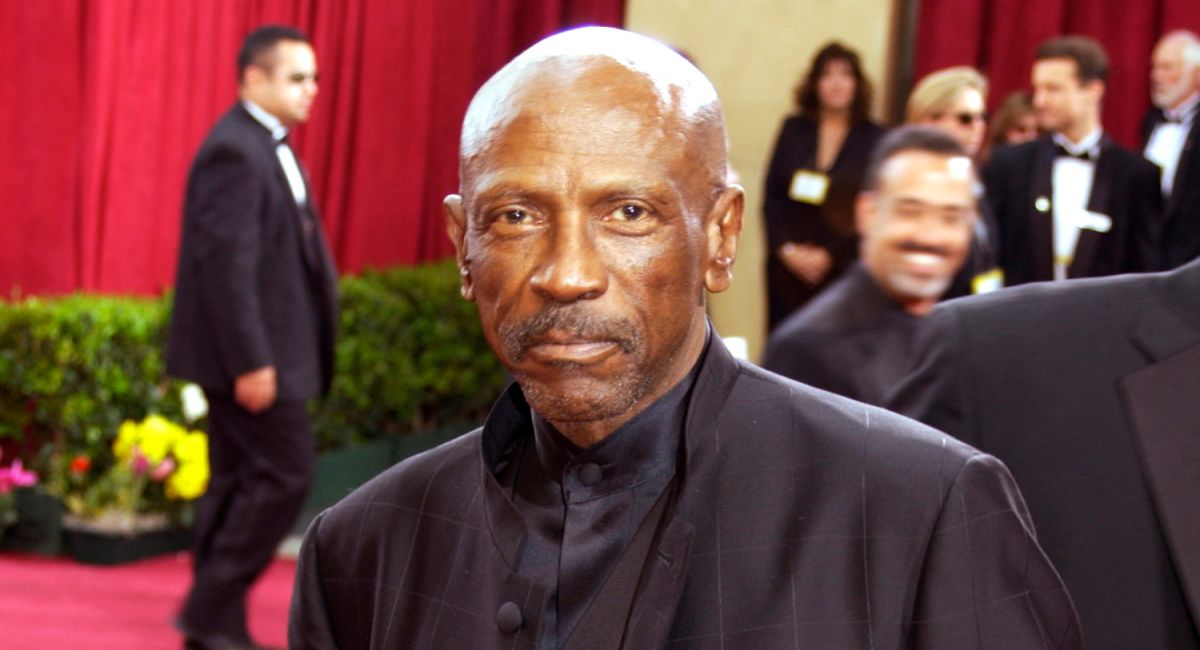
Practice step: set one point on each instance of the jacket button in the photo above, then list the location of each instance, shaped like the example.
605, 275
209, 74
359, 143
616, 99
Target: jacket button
508, 618
590, 474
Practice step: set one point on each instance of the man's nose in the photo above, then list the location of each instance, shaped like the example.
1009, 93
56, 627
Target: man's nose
572, 268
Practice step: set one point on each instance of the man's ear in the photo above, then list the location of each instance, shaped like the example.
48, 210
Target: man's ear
1096, 88
456, 229
722, 228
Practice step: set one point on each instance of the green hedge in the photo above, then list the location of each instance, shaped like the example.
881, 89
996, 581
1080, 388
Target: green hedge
410, 356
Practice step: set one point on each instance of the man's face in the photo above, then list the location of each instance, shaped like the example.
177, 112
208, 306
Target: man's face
916, 227
585, 234
1172, 79
1059, 99
288, 87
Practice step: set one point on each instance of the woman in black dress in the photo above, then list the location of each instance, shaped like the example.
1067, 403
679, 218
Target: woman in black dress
815, 173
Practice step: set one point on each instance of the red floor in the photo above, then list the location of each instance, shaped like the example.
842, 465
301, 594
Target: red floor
57, 604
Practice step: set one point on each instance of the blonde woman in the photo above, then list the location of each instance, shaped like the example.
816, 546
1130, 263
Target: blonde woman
953, 99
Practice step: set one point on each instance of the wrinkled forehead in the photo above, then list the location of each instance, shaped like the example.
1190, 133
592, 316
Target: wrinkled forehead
594, 72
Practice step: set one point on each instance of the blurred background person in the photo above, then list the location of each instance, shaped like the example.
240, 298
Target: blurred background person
915, 216
1169, 132
1072, 203
953, 100
815, 173
1013, 122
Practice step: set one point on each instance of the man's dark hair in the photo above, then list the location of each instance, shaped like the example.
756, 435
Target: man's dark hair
1091, 61
929, 139
806, 97
260, 43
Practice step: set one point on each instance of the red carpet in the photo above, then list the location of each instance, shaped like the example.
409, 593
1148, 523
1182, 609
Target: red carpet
57, 604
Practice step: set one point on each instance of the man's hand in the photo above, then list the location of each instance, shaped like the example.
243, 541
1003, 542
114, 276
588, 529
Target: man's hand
255, 390
808, 262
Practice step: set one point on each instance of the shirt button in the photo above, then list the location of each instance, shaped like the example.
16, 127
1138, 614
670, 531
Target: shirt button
590, 474
508, 618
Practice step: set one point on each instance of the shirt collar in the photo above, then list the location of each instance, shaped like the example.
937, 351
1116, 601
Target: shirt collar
270, 122
1186, 110
1089, 145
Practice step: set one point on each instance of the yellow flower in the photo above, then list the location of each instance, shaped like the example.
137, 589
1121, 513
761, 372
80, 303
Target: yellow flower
158, 436
188, 482
127, 437
191, 447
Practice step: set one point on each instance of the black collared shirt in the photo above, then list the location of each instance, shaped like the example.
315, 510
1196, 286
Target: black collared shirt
582, 506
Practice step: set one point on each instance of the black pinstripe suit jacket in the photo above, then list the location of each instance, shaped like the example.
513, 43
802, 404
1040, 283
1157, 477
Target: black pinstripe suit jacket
801, 520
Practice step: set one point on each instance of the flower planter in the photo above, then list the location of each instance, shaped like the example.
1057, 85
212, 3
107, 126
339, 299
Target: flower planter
91, 543
38, 528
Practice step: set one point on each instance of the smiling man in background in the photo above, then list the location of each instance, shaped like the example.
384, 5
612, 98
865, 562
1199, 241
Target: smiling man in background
638, 487
915, 218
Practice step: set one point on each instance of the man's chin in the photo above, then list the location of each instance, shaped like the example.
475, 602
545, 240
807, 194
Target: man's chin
578, 399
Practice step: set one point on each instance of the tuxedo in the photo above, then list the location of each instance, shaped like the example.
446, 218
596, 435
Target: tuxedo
1180, 237
255, 287
829, 224
852, 340
796, 519
1125, 189
1087, 391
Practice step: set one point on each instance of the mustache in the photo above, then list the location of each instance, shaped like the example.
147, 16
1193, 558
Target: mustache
517, 337
916, 247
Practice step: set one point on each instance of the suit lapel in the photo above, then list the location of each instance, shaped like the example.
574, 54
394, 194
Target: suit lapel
1099, 201
1041, 215
1162, 403
1183, 168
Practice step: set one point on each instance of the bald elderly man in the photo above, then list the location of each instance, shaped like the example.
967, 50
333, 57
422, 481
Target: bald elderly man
637, 487
1171, 133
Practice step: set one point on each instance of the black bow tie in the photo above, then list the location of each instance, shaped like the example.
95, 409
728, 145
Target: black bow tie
1061, 152
1172, 119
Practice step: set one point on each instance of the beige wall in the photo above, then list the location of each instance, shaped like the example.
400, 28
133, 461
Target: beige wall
755, 51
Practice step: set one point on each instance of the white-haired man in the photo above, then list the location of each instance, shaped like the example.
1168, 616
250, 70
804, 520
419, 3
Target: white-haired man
1170, 132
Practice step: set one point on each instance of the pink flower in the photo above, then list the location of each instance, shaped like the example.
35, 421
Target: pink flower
140, 463
16, 476
164, 469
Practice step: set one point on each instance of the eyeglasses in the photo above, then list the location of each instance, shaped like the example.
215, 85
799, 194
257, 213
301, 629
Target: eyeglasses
968, 119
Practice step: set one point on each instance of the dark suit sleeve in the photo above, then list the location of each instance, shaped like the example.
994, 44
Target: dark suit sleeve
936, 388
226, 212
985, 583
309, 627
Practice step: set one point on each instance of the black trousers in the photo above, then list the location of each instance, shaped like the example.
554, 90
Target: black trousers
262, 468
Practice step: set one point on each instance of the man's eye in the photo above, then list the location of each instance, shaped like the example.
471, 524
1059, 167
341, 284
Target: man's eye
631, 212
515, 216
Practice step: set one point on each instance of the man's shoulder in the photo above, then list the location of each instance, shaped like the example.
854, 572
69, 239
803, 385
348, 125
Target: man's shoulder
1069, 302
424, 482
833, 426
1014, 156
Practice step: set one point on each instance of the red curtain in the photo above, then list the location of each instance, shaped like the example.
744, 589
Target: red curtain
1000, 36
103, 104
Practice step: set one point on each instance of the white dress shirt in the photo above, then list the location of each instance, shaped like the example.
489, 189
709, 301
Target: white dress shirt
287, 159
1165, 145
1072, 187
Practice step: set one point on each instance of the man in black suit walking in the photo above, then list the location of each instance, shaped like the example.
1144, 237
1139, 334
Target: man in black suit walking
638, 487
1088, 391
1073, 203
253, 324
1170, 134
